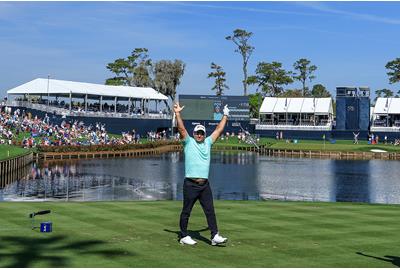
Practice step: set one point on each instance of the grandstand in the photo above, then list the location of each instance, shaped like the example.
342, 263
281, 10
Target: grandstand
302, 114
120, 108
386, 115
68, 98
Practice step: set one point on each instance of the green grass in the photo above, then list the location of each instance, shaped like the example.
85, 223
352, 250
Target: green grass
314, 145
9, 151
144, 234
340, 145
116, 136
231, 141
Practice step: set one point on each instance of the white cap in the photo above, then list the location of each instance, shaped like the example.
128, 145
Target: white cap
199, 127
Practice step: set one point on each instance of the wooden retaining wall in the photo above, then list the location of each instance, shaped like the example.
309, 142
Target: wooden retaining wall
47, 156
14, 168
313, 154
331, 154
236, 148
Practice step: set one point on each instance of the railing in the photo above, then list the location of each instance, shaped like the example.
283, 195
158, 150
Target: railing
254, 121
385, 123
293, 127
67, 112
380, 123
13, 168
384, 129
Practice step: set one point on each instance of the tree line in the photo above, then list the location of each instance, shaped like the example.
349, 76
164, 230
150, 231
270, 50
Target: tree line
139, 70
393, 68
269, 78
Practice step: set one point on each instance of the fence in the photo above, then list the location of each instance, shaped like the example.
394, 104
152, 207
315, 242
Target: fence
67, 112
293, 127
13, 168
108, 154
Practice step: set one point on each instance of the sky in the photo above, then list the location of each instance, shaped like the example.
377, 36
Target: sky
349, 42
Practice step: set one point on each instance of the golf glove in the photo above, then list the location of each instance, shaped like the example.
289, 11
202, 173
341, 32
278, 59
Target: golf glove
226, 110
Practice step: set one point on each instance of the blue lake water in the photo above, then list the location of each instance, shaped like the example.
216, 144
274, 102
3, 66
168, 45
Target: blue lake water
233, 176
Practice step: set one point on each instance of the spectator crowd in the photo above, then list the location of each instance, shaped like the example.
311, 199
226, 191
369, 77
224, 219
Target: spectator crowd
21, 128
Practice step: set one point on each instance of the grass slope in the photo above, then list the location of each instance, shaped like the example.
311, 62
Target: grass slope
341, 145
319, 145
144, 234
9, 151
314, 145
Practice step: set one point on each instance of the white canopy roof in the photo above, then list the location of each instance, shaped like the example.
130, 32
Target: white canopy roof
323, 105
273, 105
308, 105
281, 105
268, 105
387, 106
59, 87
293, 106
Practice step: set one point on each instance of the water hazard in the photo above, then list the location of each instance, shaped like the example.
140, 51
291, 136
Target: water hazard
233, 176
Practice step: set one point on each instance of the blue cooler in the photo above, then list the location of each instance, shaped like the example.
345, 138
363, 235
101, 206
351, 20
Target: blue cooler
46, 227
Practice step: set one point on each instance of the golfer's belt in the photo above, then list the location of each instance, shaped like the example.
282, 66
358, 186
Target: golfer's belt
199, 181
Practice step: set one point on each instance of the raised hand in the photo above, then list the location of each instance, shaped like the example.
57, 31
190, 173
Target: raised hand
226, 110
178, 108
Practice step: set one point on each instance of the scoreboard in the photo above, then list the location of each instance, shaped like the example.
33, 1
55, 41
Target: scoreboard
209, 107
352, 108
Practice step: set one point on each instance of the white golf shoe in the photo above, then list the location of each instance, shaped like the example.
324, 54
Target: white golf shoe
218, 239
187, 241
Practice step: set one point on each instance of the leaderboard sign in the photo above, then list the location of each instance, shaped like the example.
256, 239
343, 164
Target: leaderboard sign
208, 107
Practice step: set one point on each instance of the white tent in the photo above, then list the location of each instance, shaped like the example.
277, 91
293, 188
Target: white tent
268, 105
294, 106
387, 106
323, 106
65, 88
308, 105
281, 105
271, 105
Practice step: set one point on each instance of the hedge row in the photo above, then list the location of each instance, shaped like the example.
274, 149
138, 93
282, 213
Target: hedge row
94, 148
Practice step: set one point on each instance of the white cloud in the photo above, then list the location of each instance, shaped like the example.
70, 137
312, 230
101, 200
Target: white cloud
247, 9
359, 16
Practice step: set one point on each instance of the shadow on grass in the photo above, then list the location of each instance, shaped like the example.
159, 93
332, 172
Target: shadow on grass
392, 259
33, 250
194, 234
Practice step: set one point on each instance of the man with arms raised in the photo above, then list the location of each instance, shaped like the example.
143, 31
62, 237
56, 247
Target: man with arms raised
197, 164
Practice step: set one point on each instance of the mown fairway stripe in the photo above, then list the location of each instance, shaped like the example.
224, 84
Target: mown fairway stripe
261, 234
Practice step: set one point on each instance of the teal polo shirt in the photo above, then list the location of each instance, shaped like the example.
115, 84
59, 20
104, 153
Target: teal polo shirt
197, 157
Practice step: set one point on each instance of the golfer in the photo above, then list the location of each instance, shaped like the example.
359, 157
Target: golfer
197, 165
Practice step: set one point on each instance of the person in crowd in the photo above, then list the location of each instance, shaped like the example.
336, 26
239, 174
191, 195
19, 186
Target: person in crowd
356, 137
